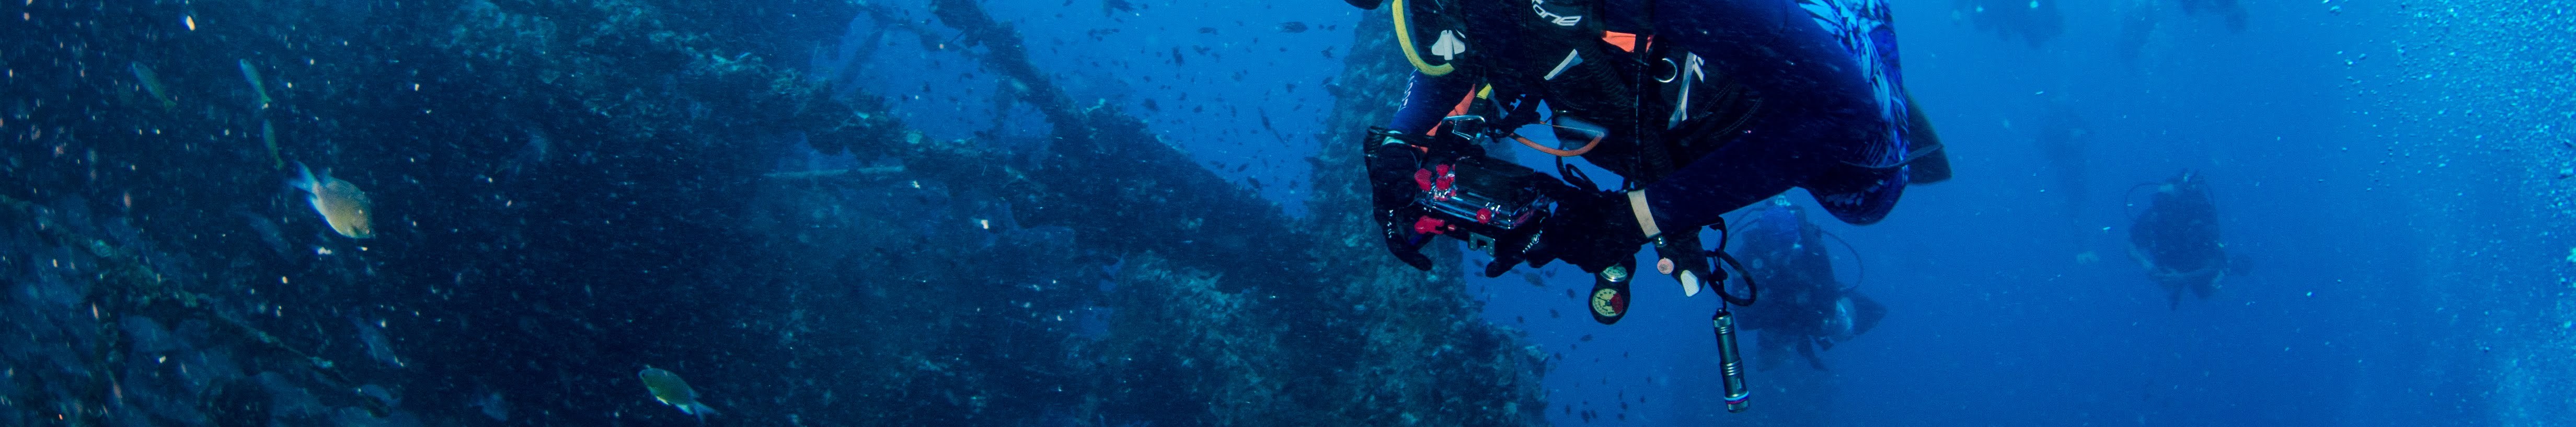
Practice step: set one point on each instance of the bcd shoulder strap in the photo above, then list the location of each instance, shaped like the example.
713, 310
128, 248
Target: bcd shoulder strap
1431, 33
1702, 109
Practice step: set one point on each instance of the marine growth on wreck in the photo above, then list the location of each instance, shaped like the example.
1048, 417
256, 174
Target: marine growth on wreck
564, 193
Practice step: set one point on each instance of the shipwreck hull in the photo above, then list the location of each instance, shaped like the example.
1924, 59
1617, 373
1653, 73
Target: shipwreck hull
567, 192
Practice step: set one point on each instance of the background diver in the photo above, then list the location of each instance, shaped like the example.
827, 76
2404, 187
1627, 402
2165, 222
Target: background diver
2176, 239
1804, 309
1701, 106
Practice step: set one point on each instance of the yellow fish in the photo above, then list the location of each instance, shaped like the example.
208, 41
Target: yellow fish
671, 390
340, 202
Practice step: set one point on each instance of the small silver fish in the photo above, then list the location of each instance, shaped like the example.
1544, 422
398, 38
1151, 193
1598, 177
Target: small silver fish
339, 202
251, 74
268, 135
151, 82
671, 390
378, 346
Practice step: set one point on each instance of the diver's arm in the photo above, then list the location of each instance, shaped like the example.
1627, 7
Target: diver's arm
1427, 99
1398, 151
1741, 173
1670, 211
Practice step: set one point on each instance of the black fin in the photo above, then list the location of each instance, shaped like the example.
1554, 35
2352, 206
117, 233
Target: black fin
1930, 163
1865, 313
1809, 350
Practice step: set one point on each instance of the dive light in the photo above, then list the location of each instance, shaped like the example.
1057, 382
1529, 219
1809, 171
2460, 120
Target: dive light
1729, 362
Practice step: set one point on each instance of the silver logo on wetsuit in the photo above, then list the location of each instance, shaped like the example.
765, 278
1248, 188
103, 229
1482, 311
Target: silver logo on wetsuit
1540, 6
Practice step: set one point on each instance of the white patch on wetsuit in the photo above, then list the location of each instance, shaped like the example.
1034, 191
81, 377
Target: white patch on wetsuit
1856, 25
1571, 57
1691, 71
1449, 46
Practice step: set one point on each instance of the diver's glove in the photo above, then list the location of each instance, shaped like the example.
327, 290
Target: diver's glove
1402, 240
1680, 255
1392, 159
1591, 229
1677, 250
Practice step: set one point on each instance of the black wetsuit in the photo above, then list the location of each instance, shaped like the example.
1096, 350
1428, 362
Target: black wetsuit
1832, 115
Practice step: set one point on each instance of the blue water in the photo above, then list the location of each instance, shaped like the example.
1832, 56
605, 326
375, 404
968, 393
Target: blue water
1235, 70
2390, 289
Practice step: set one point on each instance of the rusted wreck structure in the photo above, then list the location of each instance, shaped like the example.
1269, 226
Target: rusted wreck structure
566, 195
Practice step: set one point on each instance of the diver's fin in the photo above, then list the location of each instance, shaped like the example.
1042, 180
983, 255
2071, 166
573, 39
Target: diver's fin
2205, 289
1929, 163
1865, 313
1773, 351
2176, 301
2139, 254
1809, 351
1929, 167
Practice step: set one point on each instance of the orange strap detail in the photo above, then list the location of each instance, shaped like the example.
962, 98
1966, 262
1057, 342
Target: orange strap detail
1453, 111
1625, 41
1543, 148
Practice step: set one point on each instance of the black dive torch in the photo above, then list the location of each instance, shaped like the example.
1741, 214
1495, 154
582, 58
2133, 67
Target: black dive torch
1730, 362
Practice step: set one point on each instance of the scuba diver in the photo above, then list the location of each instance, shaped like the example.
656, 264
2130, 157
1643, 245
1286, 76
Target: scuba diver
2177, 241
1700, 106
1805, 309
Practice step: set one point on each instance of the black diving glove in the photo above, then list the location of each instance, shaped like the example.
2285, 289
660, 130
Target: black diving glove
1679, 254
1591, 229
1392, 158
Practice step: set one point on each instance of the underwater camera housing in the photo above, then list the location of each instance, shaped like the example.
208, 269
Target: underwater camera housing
1445, 185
